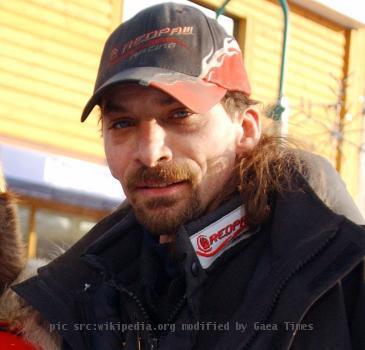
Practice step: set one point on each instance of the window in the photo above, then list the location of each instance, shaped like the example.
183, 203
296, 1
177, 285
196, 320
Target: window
48, 227
57, 231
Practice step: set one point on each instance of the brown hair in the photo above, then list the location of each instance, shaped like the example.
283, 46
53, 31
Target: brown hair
269, 168
235, 101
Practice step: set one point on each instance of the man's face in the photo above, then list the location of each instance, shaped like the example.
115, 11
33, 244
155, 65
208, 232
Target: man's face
171, 162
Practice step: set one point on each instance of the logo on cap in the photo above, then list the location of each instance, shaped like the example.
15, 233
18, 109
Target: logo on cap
150, 39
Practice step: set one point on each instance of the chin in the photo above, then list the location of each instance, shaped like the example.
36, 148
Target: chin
166, 217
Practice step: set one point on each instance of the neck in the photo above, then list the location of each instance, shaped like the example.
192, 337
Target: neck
231, 189
166, 239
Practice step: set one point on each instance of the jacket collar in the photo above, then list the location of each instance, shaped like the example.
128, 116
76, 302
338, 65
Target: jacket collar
311, 249
299, 219
120, 247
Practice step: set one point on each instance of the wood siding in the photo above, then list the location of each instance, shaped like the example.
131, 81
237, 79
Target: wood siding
49, 55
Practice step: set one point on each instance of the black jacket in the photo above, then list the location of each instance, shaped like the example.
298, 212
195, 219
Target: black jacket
306, 290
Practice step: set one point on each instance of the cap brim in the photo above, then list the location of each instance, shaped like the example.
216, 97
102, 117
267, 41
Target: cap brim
198, 95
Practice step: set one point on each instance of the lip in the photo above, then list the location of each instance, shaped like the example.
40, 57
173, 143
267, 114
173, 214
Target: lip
161, 190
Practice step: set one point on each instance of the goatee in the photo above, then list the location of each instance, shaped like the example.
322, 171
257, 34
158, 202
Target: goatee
164, 215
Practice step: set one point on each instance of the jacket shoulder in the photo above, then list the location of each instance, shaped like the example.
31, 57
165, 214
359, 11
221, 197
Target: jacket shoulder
57, 289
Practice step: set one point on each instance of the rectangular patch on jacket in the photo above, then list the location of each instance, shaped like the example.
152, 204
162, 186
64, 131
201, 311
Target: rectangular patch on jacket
215, 239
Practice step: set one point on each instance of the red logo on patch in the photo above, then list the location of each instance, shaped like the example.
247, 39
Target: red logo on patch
213, 244
203, 243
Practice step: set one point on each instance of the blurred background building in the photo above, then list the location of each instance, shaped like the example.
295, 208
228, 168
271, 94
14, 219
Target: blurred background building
49, 55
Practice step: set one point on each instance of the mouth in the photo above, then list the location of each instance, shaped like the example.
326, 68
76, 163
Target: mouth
157, 184
152, 189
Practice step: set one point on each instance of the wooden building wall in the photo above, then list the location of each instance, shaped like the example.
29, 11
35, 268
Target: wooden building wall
49, 54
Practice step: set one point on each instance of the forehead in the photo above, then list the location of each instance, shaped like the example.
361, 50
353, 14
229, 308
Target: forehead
130, 93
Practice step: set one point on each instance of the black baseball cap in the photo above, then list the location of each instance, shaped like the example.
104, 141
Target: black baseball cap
174, 48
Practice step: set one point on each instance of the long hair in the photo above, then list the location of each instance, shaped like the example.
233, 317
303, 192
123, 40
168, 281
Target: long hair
268, 169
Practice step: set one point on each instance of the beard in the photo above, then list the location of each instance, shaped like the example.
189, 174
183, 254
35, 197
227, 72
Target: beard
164, 215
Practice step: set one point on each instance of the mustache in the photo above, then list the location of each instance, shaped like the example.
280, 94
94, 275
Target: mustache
166, 174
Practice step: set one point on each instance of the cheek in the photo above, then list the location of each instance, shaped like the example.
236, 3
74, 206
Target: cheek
116, 162
219, 145
214, 162
220, 160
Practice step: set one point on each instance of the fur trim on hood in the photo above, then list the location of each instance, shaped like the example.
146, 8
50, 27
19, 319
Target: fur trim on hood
12, 251
14, 312
23, 318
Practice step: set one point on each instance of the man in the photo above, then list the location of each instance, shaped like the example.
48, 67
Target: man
223, 244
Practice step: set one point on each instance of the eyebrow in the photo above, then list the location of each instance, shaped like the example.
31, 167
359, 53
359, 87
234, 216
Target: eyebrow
166, 101
110, 106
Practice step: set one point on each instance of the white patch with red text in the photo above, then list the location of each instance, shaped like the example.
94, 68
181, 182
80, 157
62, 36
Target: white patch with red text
218, 237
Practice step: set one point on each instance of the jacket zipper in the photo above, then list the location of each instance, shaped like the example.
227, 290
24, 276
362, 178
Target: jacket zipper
282, 286
173, 314
152, 339
176, 309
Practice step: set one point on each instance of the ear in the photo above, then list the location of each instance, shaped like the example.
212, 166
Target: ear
250, 131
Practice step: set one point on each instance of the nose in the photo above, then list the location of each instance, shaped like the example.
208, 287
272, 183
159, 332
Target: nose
152, 148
